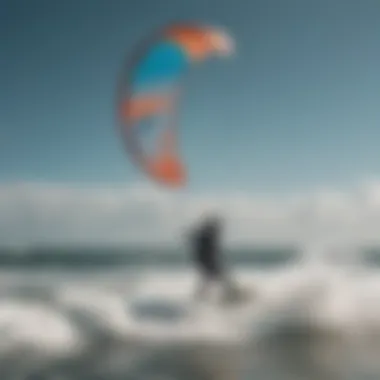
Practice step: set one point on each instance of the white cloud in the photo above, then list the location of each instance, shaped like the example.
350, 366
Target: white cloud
35, 213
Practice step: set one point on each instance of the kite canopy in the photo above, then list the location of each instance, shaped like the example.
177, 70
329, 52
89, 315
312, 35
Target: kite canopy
149, 92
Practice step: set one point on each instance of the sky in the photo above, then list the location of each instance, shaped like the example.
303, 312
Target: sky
293, 114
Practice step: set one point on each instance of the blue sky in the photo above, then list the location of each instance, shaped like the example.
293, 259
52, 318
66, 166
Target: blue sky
296, 108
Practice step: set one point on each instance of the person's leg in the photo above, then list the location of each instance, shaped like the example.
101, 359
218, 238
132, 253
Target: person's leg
201, 289
230, 289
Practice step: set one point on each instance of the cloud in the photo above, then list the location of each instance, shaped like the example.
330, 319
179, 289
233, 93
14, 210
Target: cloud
33, 213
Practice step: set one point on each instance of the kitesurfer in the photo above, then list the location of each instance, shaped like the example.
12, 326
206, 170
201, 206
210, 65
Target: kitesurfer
207, 256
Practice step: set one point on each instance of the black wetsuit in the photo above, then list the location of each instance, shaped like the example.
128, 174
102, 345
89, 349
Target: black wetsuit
206, 251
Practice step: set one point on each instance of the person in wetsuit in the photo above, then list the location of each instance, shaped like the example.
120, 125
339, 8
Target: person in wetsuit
207, 256
206, 249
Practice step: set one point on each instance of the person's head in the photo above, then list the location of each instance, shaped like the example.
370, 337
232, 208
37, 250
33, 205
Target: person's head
213, 222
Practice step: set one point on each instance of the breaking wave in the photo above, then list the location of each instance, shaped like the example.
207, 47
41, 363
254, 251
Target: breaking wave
130, 324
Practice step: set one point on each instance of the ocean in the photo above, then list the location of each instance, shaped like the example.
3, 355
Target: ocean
112, 314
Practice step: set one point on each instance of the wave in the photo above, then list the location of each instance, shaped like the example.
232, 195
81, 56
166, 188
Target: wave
113, 325
100, 257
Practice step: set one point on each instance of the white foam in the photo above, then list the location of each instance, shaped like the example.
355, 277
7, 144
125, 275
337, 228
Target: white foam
331, 297
36, 326
104, 309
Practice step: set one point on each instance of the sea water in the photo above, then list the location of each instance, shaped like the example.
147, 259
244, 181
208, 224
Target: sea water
307, 318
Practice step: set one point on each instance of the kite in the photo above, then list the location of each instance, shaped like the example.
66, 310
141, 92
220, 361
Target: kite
148, 96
